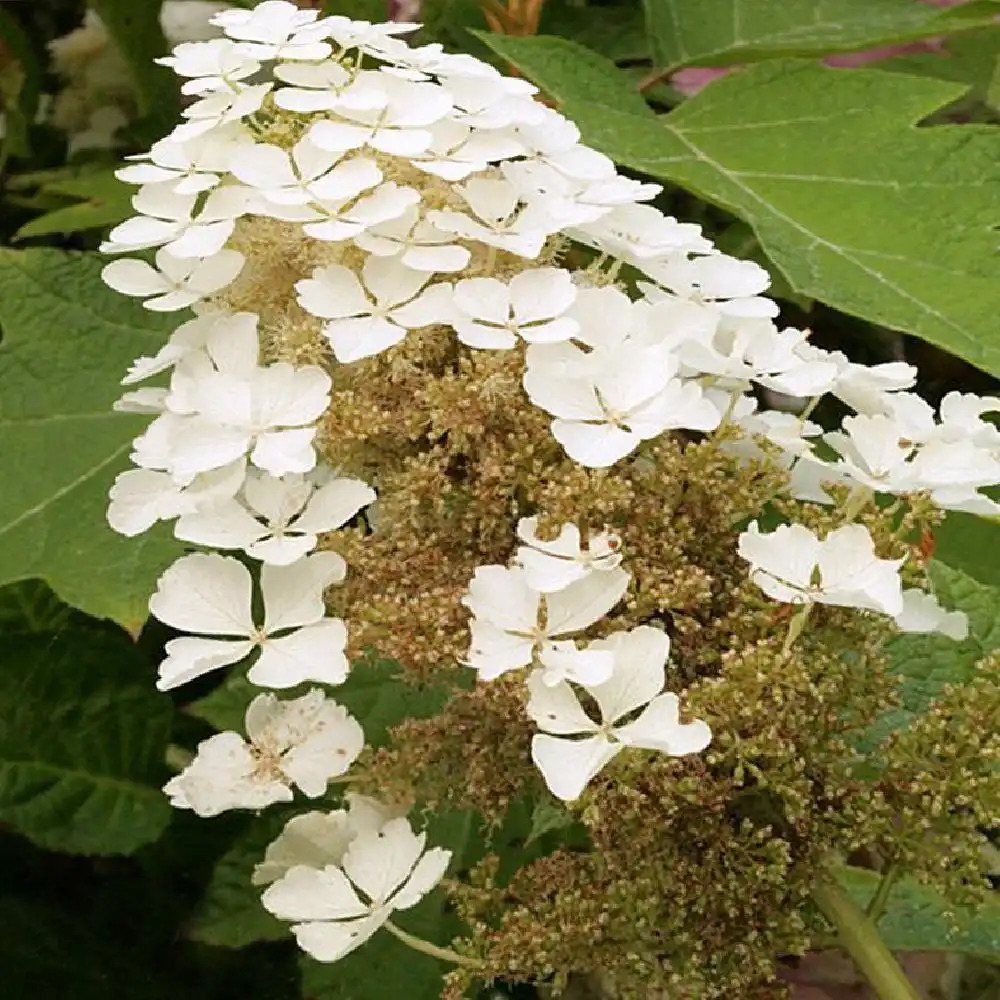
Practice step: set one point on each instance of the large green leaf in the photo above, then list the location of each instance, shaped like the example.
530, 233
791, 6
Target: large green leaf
917, 918
858, 207
83, 735
719, 32
66, 340
566, 70
928, 663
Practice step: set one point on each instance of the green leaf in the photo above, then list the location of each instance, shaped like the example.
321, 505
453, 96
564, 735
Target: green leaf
564, 69
230, 914
721, 32
970, 59
82, 739
857, 206
970, 543
617, 31
917, 918
928, 663
374, 693
103, 201
67, 339
135, 27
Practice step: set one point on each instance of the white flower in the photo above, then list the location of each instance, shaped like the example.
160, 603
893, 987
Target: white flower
366, 319
572, 747
212, 594
512, 621
732, 286
303, 742
276, 29
922, 613
621, 398
371, 874
792, 565
222, 405
551, 566
219, 110
276, 520
189, 167
213, 65
640, 233
167, 219
491, 313
384, 112
498, 218
417, 243
457, 151
343, 220
174, 283
308, 174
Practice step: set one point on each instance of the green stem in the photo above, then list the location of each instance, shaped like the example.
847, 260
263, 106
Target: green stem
795, 627
881, 897
858, 936
435, 951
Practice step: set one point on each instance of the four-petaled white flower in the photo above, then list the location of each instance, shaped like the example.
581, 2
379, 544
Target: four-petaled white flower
276, 520
213, 595
614, 400
794, 566
303, 742
513, 621
367, 876
492, 314
572, 748
552, 565
366, 319
175, 283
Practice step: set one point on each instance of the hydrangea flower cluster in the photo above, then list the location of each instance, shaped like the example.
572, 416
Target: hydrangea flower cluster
429, 196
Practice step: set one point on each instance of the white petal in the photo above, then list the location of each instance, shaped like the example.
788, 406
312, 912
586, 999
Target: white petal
427, 873
313, 894
584, 602
283, 452
568, 765
293, 595
313, 839
353, 339
314, 653
134, 277
331, 941
556, 709
334, 504
189, 657
659, 728
205, 593
639, 674
379, 864
227, 526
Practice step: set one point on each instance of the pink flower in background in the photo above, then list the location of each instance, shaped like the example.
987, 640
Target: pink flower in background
693, 78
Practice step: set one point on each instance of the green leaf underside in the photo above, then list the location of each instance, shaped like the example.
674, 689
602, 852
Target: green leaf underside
857, 206
67, 339
917, 918
721, 32
928, 663
82, 739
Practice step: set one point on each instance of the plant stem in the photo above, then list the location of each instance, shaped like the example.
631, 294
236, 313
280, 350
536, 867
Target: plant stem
858, 936
881, 897
435, 951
